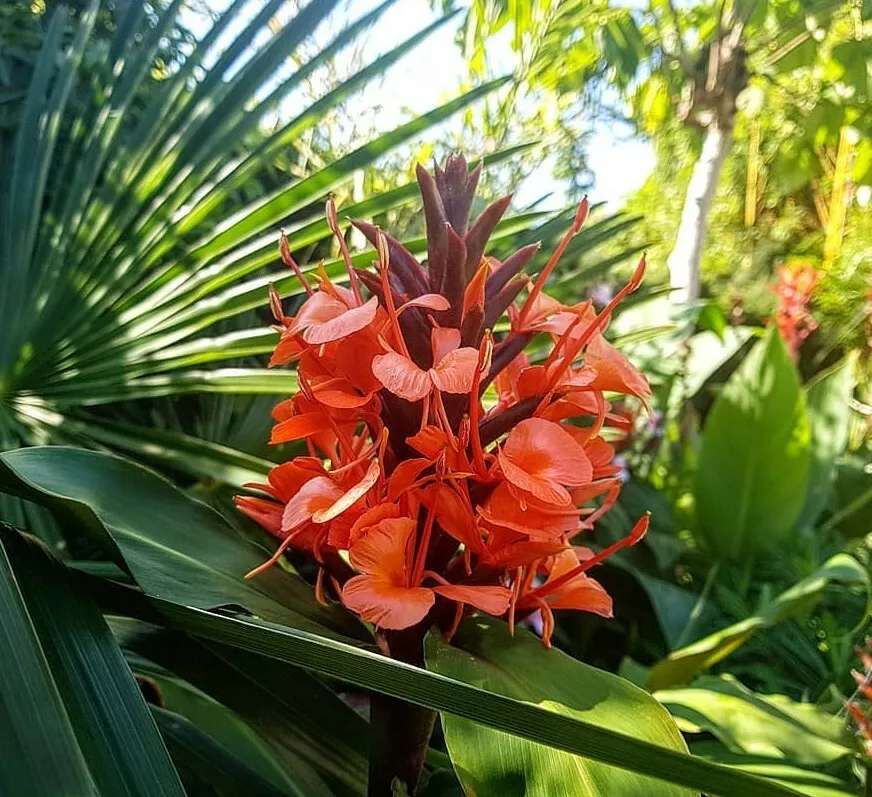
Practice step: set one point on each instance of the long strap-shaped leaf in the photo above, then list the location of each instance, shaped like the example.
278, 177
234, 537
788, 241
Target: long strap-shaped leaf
41, 755
376, 672
108, 728
35, 144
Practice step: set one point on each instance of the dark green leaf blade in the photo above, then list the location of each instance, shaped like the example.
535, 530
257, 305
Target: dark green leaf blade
175, 547
370, 670
115, 732
41, 756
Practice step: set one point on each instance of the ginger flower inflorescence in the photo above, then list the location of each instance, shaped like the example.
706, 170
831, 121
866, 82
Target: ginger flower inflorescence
446, 472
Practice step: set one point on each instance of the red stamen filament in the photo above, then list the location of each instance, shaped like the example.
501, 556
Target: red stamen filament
636, 534
333, 223
288, 260
577, 224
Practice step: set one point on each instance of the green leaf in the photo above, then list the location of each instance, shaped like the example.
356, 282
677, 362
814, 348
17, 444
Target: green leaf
490, 762
828, 399
306, 725
682, 665
808, 781
203, 760
174, 450
767, 725
41, 755
173, 546
753, 467
114, 731
370, 670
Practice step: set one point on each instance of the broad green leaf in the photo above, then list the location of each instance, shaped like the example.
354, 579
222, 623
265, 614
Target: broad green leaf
766, 725
828, 399
111, 722
682, 665
41, 755
174, 547
490, 762
808, 781
753, 467
369, 670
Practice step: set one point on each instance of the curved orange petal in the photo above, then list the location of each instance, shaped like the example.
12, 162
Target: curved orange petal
404, 476
547, 490
286, 479
582, 592
493, 600
546, 450
343, 325
401, 376
351, 496
298, 427
455, 371
443, 340
453, 515
287, 349
521, 554
386, 605
267, 514
339, 393
319, 308
383, 550
371, 517
429, 441
317, 493
614, 371
429, 301
504, 510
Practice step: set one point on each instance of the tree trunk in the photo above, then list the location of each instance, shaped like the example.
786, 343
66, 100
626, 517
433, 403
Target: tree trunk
685, 259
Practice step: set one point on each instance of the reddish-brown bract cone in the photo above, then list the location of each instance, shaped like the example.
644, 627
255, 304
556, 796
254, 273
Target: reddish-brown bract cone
451, 472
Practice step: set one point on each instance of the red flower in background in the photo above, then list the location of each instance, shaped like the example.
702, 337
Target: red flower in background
794, 289
450, 472
859, 704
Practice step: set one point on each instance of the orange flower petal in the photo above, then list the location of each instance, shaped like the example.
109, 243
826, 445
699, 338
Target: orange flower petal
614, 371
582, 592
429, 301
401, 376
351, 496
383, 550
298, 427
286, 479
493, 600
443, 340
386, 605
267, 514
544, 449
455, 371
317, 309
371, 517
342, 325
404, 476
318, 493
547, 490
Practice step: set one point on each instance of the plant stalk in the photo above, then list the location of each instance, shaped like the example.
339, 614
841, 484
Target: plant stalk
399, 731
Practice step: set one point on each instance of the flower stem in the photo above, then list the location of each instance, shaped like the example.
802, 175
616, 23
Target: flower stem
399, 731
